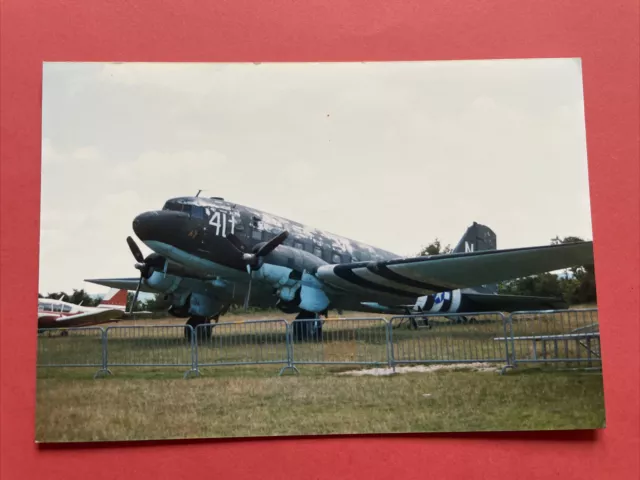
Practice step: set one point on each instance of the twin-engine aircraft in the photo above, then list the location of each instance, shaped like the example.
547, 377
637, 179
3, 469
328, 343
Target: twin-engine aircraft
56, 313
208, 253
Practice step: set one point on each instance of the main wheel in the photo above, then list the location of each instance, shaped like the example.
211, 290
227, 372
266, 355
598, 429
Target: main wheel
203, 332
306, 327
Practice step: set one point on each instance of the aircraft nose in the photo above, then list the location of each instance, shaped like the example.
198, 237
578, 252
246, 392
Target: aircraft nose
157, 225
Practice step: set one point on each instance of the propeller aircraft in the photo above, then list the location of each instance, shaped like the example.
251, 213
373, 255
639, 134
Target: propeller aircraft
208, 253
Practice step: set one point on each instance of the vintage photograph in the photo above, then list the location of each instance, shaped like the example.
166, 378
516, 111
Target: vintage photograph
278, 249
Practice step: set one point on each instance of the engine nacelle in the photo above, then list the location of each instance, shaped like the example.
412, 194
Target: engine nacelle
306, 294
196, 304
203, 305
313, 299
162, 283
294, 259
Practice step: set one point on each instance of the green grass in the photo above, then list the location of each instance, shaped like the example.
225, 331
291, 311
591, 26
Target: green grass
254, 401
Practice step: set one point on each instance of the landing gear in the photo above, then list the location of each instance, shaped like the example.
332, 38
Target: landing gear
464, 319
204, 332
307, 327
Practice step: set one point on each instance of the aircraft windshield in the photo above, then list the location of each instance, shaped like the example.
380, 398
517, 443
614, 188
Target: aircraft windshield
195, 211
45, 307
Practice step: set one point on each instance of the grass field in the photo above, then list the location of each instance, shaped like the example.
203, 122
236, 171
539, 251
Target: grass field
252, 400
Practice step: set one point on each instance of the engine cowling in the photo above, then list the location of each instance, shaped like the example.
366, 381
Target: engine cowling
294, 259
304, 294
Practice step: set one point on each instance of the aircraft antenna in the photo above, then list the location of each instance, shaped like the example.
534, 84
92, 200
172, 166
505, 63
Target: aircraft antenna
199, 191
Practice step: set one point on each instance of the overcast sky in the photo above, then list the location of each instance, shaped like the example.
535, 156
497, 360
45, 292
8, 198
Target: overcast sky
391, 154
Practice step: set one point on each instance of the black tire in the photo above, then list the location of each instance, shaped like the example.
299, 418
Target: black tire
306, 327
203, 332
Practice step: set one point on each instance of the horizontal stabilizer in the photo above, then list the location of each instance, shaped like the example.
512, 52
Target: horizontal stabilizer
485, 302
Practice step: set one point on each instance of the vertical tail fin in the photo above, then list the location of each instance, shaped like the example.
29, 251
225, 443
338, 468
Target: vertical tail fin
114, 298
478, 238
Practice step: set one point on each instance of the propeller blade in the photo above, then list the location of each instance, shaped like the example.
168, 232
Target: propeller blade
248, 295
135, 250
272, 244
135, 296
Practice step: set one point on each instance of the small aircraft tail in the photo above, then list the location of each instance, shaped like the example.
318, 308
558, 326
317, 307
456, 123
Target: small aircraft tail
477, 238
115, 299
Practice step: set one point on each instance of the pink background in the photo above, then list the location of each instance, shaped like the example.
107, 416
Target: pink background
604, 34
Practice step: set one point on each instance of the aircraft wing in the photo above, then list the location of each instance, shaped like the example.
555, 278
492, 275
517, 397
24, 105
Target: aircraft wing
417, 276
46, 320
122, 283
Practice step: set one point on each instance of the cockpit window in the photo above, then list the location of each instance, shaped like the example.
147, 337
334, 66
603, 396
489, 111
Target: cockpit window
175, 206
195, 211
46, 307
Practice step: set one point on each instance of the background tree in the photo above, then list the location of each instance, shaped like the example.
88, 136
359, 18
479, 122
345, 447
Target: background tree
434, 248
78, 297
139, 305
157, 303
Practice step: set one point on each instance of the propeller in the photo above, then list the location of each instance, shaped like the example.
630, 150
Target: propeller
253, 261
144, 265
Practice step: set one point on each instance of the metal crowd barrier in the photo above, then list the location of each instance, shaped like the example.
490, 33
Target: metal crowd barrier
560, 336
256, 342
150, 346
555, 336
72, 347
449, 338
353, 341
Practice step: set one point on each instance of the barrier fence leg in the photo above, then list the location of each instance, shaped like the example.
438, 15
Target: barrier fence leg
104, 370
390, 358
509, 356
289, 344
194, 370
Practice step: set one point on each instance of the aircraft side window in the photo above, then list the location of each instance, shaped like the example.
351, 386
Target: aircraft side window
197, 212
317, 251
298, 245
57, 308
66, 308
336, 258
256, 234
